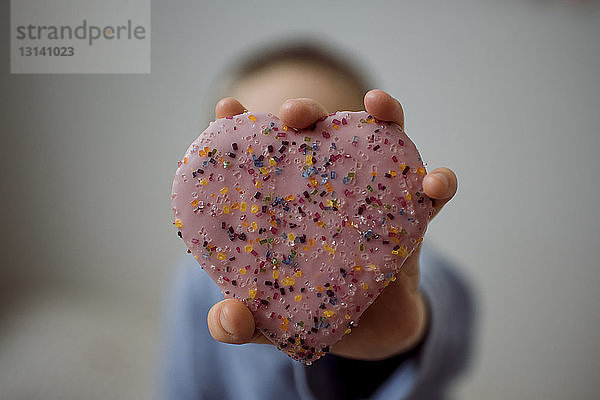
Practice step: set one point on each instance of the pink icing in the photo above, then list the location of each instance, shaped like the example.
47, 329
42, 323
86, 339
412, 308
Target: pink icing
305, 227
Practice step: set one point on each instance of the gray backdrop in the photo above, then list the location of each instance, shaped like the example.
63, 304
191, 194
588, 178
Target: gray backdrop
507, 93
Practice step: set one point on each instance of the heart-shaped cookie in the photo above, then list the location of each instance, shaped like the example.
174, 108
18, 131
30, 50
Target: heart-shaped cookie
305, 227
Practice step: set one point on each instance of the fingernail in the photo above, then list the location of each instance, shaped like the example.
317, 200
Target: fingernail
225, 323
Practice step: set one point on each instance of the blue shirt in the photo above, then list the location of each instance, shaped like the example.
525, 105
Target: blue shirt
195, 366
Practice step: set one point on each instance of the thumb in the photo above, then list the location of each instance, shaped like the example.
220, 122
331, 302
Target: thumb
230, 321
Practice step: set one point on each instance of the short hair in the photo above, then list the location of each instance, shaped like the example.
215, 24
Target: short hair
300, 50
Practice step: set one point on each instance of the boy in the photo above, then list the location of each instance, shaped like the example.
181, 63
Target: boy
408, 344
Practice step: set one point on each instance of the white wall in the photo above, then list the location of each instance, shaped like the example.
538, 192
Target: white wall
505, 92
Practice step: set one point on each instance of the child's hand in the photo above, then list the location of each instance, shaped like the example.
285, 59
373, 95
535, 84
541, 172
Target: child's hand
396, 321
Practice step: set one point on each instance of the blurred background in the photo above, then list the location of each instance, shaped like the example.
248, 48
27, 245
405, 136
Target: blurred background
507, 93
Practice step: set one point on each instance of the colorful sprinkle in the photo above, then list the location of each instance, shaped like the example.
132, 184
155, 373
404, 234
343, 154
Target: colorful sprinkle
288, 281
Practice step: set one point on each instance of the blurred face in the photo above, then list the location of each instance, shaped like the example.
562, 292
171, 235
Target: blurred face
268, 88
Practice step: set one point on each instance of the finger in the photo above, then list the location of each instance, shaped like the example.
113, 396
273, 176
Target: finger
230, 321
228, 107
440, 185
260, 338
384, 107
301, 113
